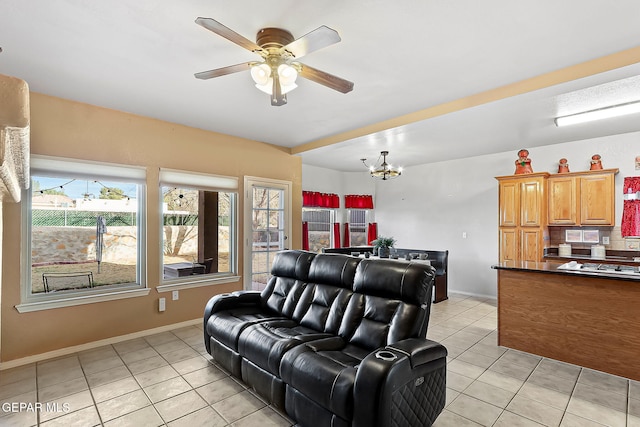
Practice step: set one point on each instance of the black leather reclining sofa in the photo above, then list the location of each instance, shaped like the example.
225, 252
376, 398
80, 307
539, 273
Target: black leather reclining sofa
335, 340
439, 260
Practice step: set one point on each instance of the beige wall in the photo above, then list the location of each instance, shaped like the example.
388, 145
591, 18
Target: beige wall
69, 129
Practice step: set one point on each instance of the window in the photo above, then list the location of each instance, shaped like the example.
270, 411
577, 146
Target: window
358, 227
83, 233
198, 226
319, 221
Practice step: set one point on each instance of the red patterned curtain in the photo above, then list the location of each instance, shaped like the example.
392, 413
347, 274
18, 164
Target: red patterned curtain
305, 236
358, 201
314, 199
372, 232
336, 234
346, 239
630, 225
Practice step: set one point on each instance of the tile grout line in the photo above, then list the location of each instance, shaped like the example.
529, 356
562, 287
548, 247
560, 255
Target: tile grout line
93, 399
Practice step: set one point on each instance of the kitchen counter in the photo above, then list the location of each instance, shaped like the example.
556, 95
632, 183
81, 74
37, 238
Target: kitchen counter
589, 268
585, 317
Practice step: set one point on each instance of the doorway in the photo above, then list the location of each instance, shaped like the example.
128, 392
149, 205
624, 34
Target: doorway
267, 227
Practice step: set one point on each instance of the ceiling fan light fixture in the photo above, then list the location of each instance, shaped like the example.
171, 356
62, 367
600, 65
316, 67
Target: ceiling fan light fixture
266, 88
288, 88
287, 75
261, 74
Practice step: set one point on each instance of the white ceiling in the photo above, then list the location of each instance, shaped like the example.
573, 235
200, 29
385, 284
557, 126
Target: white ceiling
403, 56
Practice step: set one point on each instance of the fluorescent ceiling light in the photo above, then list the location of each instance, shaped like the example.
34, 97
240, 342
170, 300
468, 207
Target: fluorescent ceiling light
600, 113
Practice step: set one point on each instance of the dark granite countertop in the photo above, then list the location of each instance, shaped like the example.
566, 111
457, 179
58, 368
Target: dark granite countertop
589, 269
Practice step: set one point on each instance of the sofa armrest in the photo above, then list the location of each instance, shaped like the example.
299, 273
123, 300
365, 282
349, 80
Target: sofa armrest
224, 302
232, 300
408, 377
419, 351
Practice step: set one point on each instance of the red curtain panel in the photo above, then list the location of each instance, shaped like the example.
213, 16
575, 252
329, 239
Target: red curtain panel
314, 199
630, 225
346, 238
305, 236
372, 232
336, 234
358, 201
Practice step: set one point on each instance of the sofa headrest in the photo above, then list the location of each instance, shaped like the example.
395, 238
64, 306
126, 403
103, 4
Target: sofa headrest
409, 282
334, 269
292, 263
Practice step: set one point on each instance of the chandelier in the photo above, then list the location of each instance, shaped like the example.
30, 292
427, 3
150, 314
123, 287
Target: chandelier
384, 171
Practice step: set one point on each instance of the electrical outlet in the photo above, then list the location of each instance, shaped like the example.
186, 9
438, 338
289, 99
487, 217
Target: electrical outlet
605, 240
175, 295
464, 234
161, 304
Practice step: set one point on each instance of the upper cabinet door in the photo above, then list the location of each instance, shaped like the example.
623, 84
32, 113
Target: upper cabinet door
509, 203
597, 200
563, 200
531, 203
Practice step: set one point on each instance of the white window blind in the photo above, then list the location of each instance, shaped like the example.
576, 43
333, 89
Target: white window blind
70, 168
177, 178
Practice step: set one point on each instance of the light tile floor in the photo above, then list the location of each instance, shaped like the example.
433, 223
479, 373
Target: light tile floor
167, 379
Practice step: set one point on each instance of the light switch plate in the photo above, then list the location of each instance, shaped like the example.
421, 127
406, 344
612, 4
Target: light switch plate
161, 304
175, 295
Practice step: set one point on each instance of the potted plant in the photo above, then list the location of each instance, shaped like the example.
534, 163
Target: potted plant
383, 244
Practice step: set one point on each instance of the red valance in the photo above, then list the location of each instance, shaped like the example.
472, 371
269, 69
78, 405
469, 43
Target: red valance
314, 199
358, 201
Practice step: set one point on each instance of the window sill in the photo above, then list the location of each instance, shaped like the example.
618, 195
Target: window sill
192, 283
70, 301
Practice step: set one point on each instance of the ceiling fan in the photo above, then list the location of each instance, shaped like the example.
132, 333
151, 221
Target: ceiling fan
277, 72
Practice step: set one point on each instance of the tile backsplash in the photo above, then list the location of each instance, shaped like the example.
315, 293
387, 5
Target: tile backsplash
616, 241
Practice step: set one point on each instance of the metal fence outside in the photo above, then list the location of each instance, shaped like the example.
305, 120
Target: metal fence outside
75, 218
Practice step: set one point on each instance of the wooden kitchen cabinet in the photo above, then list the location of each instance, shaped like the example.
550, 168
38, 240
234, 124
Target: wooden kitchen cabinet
509, 203
531, 244
522, 210
509, 243
532, 202
563, 200
582, 198
598, 199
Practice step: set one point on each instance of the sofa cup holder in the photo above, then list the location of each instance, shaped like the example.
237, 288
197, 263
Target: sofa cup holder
386, 355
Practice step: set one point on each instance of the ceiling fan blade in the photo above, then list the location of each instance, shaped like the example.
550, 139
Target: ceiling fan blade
223, 71
326, 79
227, 33
317, 39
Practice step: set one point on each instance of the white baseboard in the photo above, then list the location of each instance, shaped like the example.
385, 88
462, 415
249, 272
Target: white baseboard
472, 294
94, 344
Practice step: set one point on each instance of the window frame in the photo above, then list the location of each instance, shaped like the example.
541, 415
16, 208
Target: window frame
332, 219
204, 182
81, 169
366, 221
